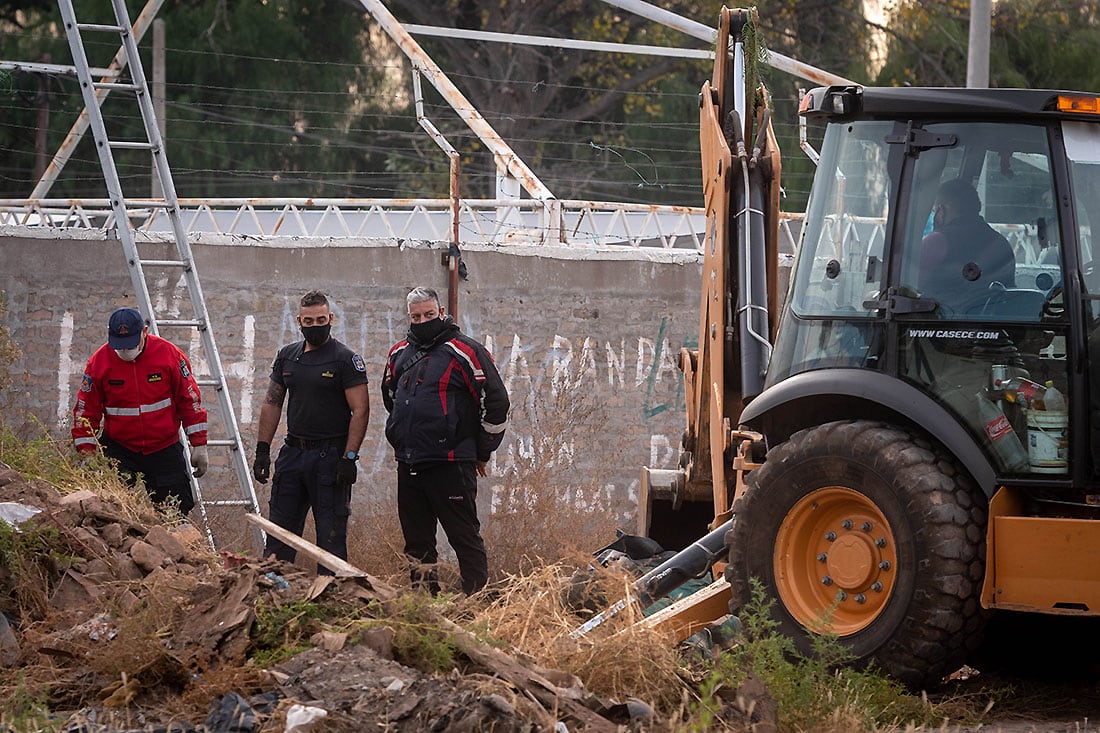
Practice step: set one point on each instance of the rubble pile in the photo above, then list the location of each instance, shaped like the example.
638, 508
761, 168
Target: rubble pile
126, 624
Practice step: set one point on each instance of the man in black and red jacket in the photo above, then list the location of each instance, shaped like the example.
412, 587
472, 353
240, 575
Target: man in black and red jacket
448, 410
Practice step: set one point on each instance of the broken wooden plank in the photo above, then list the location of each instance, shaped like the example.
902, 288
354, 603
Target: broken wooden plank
692, 613
559, 701
342, 568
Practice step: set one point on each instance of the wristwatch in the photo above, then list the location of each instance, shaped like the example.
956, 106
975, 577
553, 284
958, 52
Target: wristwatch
351, 455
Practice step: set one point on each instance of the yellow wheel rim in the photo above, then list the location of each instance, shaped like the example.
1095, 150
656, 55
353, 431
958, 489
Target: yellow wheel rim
835, 561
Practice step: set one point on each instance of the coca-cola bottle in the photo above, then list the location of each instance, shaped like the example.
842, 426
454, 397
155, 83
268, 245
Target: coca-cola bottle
1001, 436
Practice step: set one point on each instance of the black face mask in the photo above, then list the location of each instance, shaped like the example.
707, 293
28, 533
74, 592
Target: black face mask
316, 335
426, 331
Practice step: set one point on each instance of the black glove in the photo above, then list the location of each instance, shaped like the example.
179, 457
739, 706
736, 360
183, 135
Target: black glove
261, 467
345, 473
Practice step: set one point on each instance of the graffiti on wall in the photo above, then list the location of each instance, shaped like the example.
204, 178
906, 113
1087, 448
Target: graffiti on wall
637, 369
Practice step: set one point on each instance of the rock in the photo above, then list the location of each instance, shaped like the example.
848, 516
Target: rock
189, 536
74, 593
329, 640
403, 707
9, 645
158, 536
127, 569
113, 534
760, 709
498, 704
128, 602
91, 544
78, 497
379, 639
98, 570
147, 557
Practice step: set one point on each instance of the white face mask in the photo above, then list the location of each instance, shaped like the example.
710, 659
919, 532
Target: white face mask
128, 354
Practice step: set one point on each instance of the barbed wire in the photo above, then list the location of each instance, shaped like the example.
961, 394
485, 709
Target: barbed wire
610, 166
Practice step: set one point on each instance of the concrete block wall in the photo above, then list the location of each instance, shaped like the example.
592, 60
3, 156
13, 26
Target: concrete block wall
587, 344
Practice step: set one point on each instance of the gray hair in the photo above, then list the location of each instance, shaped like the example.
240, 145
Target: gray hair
421, 295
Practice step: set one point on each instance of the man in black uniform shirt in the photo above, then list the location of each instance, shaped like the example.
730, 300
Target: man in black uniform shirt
326, 420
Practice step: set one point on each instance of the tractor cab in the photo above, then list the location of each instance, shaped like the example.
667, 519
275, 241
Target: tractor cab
946, 277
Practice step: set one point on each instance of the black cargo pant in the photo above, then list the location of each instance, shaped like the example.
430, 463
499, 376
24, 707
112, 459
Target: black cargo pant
305, 479
164, 473
447, 493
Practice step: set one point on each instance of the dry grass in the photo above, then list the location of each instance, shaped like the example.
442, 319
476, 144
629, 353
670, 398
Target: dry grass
534, 614
9, 352
546, 508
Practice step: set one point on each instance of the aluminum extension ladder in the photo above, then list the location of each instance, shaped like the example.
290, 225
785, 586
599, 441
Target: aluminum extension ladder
183, 261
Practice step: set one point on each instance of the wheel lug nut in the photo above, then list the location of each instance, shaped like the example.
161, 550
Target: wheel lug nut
876, 587
841, 595
846, 524
880, 542
826, 580
831, 536
861, 598
822, 557
884, 565
866, 526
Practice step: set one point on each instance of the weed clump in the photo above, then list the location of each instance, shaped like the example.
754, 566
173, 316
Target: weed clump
820, 691
282, 630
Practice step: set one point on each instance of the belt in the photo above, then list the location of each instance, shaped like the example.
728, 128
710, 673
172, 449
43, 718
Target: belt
315, 444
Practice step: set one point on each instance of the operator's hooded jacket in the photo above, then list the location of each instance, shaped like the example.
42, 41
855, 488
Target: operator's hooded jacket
142, 403
446, 399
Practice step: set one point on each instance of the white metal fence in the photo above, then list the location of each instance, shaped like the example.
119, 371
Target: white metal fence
496, 222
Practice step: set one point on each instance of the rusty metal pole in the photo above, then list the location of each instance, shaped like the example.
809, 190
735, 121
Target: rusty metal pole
453, 257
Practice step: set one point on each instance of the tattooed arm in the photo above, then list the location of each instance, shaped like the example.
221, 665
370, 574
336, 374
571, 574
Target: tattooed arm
270, 411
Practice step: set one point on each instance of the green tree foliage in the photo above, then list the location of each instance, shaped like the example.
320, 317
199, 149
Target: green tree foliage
264, 99
832, 36
1050, 44
1033, 44
927, 43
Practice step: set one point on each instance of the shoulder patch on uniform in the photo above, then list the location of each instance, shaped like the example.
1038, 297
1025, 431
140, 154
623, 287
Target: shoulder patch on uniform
86, 383
184, 371
358, 363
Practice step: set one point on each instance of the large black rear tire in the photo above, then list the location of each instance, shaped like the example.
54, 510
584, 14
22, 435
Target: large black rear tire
876, 530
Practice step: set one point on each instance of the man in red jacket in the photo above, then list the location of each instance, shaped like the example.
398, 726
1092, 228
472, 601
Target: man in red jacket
140, 388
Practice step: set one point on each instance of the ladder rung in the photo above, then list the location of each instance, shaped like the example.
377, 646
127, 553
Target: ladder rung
115, 85
208, 382
132, 145
228, 502
165, 263
99, 27
179, 322
224, 442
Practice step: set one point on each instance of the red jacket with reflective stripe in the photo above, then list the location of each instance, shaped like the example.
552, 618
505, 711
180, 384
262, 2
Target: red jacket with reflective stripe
141, 404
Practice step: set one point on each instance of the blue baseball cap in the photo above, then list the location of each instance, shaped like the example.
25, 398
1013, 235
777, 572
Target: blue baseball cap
125, 329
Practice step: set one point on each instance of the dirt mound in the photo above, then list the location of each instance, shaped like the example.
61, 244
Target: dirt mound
125, 623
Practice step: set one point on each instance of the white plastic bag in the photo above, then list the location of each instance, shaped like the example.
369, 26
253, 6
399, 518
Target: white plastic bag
15, 514
301, 718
